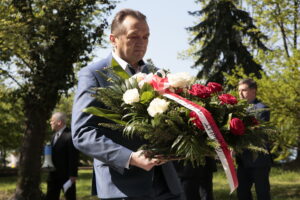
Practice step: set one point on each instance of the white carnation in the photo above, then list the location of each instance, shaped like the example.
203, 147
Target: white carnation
149, 77
157, 106
138, 77
179, 80
146, 79
131, 96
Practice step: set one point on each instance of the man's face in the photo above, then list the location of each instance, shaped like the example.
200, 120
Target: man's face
55, 124
131, 45
247, 93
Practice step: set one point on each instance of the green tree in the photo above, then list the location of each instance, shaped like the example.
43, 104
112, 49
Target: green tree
220, 39
280, 20
65, 105
40, 41
11, 121
281, 91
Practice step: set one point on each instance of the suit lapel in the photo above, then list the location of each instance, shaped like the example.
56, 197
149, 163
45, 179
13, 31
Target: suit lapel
52, 139
60, 137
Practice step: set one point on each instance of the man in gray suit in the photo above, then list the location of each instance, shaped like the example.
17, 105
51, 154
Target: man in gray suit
120, 171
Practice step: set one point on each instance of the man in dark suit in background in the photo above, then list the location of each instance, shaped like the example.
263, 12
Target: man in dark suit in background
197, 181
121, 172
64, 158
253, 168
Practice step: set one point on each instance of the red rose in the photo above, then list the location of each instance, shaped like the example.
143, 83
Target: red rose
214, 87
199, 91
254, 121
227, 99
196, 120
237, 126
178, 90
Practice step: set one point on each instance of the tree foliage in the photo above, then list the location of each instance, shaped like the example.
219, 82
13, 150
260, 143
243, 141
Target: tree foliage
280, 20
11, 121
221, 36
40, 41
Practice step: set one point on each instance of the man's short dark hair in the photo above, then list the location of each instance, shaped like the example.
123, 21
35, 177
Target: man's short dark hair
250, 82
116, 26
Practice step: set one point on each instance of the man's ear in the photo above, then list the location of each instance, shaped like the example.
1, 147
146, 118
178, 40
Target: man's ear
112, 39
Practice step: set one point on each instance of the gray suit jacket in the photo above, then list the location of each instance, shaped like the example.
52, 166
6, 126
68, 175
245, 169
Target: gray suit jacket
110, 150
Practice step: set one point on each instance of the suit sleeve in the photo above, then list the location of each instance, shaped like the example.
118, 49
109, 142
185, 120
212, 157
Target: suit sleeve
263, 113
87, 136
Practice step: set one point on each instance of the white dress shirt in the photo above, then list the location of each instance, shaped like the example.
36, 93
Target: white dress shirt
126, 66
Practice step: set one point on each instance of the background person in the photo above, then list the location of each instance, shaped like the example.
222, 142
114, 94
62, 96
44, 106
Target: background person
121, 172
197, 181
253, 168
64, 158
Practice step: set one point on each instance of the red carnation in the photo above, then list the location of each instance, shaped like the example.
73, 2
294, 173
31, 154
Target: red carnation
196, 120
227, 99
200, 91
214, 87
237, 126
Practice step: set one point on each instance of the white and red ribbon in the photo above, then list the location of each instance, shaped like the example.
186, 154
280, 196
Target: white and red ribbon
212, 130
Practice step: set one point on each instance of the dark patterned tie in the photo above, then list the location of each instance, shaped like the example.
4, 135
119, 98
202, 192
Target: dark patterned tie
131, 70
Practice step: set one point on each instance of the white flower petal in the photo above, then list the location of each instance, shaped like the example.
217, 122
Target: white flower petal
157, 106
131, 96
179, 80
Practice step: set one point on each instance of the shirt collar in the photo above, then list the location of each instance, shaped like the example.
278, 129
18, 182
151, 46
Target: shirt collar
119, 60
126, 66
59, 132
254, 101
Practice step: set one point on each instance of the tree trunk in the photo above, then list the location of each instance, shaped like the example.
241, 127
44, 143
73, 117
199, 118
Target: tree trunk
283, 31
3, 157
28, 186
296, 18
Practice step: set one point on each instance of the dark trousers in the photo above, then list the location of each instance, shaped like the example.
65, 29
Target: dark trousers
160, 189
198, 188
145, 198
259, 176
54, 188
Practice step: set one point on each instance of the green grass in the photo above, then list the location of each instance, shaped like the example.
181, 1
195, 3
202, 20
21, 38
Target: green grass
83, 186
285, 185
